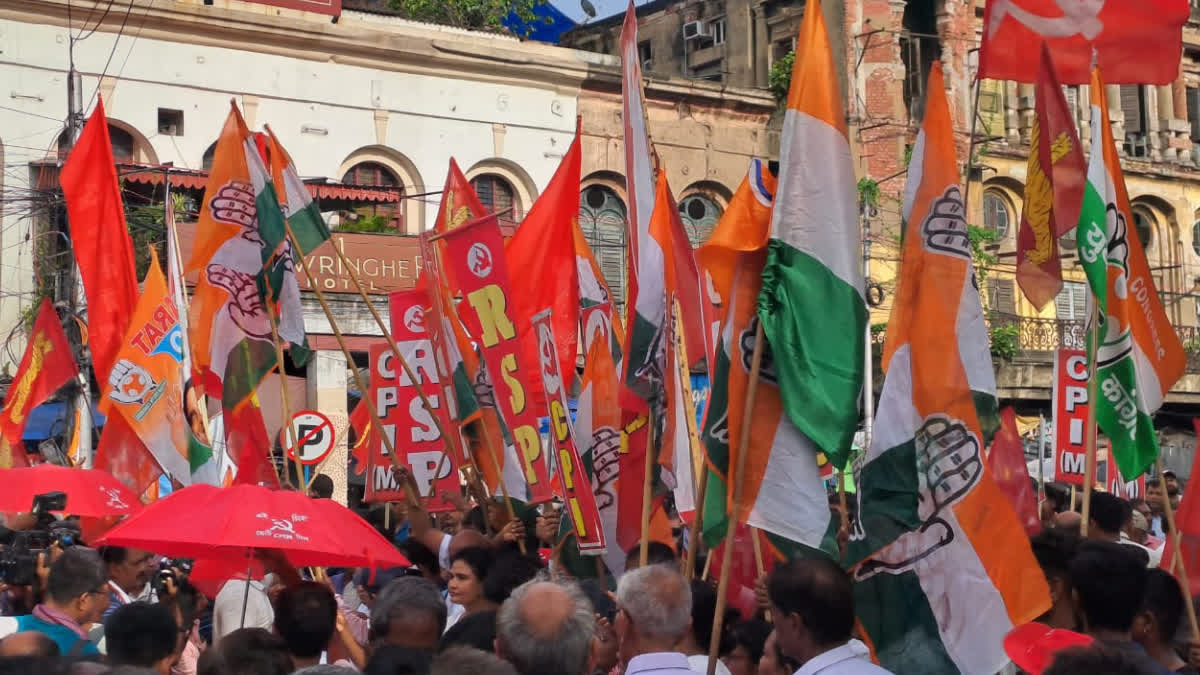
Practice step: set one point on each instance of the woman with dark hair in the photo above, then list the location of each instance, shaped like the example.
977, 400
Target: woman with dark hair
749, 641
468, 571
1156, 622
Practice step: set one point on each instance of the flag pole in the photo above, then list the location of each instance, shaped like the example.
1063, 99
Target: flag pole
1089, 471
737, 478
970, 163
689, 571
358, 379
490, 449
284, 396
647, 493
1177, 564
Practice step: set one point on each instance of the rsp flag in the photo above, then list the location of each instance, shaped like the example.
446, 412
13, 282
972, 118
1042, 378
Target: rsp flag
573, 480
475, 258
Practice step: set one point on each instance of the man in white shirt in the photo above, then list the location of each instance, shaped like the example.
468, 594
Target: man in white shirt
813, 605
227, 607
654, 611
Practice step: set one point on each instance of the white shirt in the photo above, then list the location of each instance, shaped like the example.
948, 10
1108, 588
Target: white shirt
844, 660
660, 663
227, 608
699, 663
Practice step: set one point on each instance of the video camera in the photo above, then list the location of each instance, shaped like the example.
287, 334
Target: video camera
18, 561
170, 568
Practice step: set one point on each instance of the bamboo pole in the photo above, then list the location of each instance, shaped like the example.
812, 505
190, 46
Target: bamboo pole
1089, 471
412, 494
647, 495
1177, 564
491, 451
738, 483
284, 396
694, 535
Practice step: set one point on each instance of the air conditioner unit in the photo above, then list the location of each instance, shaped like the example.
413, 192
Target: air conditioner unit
693, 30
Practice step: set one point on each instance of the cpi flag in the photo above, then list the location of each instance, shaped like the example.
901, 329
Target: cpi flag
573, 480
1136, 41
1139, 356
475, 256
47, 365
145, 385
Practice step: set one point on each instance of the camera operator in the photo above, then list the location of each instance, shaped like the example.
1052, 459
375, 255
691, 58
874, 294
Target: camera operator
76, 595
129, 573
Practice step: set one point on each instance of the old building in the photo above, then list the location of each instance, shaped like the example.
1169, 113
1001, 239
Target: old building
371, 107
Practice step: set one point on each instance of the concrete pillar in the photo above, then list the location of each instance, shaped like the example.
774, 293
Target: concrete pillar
1179, 97
327, 394
1155, 128
1012, 120
763, 51
1116, 116
1025, 101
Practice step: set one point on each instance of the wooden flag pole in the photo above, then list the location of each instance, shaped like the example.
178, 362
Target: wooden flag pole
284, 396
412, 494
647, 494
737, 478
1089, 471
1177, 564
490, 448
694, 534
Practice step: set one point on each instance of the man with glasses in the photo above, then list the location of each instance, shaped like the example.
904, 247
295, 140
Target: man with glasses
654, 611
76, 595
129, 573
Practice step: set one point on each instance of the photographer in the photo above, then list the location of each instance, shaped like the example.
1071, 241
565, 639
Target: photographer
76, 595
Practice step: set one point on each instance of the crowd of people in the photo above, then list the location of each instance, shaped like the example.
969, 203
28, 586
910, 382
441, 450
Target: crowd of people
477, 598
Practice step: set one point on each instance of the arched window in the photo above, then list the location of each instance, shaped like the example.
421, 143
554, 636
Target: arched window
996, 215
206, 161
376, 175
1143, 222
699, 214
603, 219
497, 196
121, 141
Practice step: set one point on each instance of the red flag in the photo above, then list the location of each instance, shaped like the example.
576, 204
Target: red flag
459, 201
123, 454
246, 441
1056, 175
1187, 521
360, 422
47, 365
101, 240
1006, 461
1136, 41
542, 257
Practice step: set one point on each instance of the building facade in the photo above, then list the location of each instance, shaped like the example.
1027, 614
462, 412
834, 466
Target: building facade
371, 107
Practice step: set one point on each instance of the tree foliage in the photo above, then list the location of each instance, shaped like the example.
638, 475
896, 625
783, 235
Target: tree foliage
472, 14
780, 78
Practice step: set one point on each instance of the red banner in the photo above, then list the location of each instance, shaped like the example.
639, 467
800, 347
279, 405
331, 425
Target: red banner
475, 256
1070, 415
47, 365
397, 398
572, 479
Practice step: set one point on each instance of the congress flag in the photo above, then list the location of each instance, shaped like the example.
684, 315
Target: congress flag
1139, 356
935, 534
812, 306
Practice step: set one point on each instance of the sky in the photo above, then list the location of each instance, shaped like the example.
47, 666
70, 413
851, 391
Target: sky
604, 8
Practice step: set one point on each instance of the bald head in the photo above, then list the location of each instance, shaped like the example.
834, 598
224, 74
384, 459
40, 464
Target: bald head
28, 643
1068, 521
546, 627
468, 538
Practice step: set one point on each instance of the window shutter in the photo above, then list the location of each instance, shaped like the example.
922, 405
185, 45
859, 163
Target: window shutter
1131, 105
1071, 302
1071, 92
612, 265
1193, 111
1005, 297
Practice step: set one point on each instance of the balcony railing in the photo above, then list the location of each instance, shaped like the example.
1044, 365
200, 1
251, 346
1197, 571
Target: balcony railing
1039, 337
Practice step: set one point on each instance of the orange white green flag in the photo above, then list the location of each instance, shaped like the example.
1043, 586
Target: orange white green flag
1139, 356
935, 534
812, 306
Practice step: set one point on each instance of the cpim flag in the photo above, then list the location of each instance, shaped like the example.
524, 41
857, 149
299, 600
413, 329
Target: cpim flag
1139, 356
1006, 461
782, 494
145, 385
100, 239
543, 249
1135, 41
812, 306
573, 481
48, 364
935, 534
1056, 173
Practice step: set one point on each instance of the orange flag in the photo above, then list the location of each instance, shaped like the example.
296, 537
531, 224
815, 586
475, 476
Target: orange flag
47, 365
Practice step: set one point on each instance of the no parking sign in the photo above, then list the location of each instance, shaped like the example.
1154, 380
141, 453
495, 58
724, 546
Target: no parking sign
314, 436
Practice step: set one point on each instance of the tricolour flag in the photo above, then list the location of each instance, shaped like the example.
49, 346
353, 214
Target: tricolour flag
936, 536
1135, 41
812, 306
783, 494
1054, 182
145, 385
1139, 356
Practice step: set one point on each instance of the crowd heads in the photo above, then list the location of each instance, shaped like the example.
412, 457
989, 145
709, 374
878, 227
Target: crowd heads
547, 627
654, 610
409, 613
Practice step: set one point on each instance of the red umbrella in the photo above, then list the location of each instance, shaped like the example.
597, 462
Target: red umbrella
209, 523
90, 492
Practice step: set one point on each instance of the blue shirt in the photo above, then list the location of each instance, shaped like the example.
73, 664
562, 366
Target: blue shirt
66, 639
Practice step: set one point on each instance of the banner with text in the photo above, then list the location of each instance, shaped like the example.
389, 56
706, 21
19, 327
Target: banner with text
407, 423
1070, 415
475, 258
573, 481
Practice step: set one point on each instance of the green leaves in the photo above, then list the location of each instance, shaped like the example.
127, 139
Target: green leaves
471, 14
780, 78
